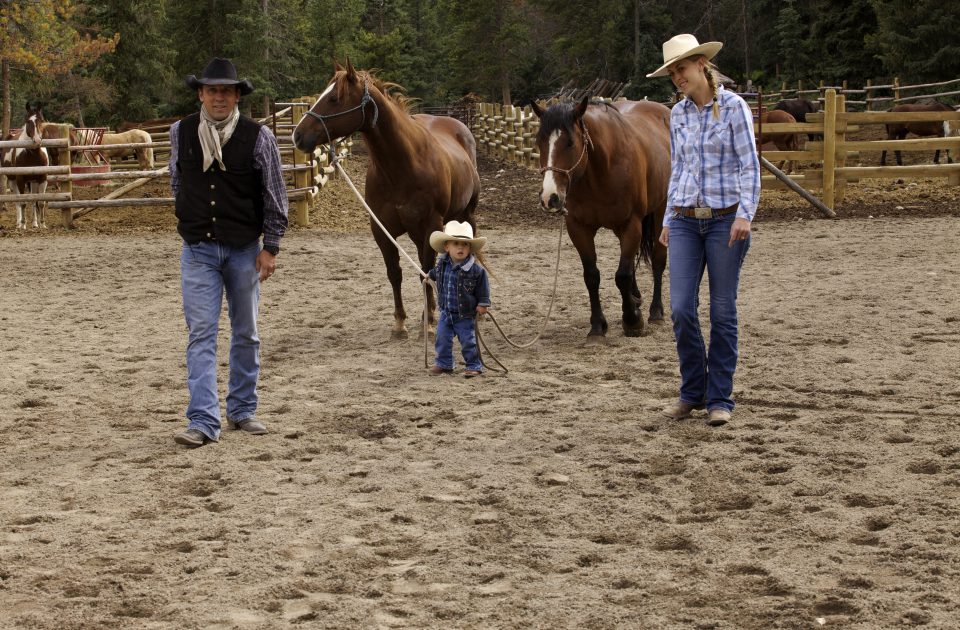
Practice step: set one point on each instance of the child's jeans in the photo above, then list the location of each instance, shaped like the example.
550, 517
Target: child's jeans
465, 330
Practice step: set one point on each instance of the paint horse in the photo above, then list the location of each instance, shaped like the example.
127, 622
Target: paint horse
23, 157
131, 136
609, 167
422, 171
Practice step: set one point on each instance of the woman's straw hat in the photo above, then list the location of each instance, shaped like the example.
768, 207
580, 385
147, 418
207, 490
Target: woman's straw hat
681, 47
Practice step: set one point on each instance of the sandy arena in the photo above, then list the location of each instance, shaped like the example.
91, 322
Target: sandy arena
552, 497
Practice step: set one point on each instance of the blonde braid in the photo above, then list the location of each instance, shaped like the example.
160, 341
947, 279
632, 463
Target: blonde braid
713, 81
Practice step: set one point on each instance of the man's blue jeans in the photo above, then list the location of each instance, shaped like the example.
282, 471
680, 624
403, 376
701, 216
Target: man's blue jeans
209, 269
465, 330
695, 245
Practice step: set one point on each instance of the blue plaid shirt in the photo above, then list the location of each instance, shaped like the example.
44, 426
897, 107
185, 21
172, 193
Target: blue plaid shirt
266, 159
714, 162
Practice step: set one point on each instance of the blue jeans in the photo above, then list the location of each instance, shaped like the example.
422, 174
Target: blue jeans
465, 330
209, 269
695, 245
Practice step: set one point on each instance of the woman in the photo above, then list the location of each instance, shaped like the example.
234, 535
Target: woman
713, 195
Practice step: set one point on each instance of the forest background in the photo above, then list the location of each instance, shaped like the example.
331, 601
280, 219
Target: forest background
98, 62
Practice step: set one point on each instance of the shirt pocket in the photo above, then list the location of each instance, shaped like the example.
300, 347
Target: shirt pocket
686, 138
719, 136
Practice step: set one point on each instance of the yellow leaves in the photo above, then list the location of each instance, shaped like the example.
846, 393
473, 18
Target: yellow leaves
38, 35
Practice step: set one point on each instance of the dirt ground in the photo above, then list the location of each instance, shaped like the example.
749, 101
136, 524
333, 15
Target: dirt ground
552, 497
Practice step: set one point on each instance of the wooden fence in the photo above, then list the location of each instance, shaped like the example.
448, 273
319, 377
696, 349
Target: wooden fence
304, 174
509, 133
869, 98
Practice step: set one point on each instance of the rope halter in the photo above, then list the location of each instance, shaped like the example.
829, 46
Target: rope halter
364, 101
587, 142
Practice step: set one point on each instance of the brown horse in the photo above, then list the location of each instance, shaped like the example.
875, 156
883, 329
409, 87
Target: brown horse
26, 157
783, 141
422, 172
899, 131
609, 166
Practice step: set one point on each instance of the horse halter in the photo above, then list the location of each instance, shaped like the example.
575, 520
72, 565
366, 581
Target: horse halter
362, 107
587, 142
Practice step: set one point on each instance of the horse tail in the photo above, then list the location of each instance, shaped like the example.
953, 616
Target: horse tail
148, 153
647, 239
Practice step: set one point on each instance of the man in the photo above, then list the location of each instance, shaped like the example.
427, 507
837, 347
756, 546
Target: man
229, 189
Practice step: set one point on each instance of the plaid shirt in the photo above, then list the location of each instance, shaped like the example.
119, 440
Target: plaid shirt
713, 162
266, 159
476, 287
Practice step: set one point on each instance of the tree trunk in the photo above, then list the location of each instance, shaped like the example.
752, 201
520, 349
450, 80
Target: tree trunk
636, 38
6, 97
746, 56
264, 5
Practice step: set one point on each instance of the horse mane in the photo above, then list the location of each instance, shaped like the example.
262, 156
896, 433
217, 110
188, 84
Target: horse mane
560, 115
393, 91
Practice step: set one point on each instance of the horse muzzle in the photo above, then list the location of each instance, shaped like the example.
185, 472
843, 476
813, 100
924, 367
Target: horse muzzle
553, 203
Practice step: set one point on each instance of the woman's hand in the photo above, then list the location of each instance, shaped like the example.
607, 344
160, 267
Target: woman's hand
739, 231
665, 236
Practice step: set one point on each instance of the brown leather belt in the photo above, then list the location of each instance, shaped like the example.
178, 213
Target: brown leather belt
706, 213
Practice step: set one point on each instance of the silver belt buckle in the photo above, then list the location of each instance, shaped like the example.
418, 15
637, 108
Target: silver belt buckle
703, 213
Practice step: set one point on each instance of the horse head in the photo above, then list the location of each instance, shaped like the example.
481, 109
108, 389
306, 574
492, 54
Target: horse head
343, 108
562, 141
33, 128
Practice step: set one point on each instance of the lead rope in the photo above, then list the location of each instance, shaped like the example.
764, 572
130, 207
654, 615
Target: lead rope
426, 278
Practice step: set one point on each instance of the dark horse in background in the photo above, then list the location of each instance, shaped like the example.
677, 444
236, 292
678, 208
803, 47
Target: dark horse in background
24, 157
799, 108
899, 131
422, 172
609, 167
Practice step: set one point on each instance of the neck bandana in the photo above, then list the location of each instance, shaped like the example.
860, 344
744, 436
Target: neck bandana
214, 134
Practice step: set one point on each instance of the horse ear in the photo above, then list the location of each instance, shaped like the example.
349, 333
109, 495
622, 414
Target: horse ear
336, 65
536, 108
581, 108
351, 72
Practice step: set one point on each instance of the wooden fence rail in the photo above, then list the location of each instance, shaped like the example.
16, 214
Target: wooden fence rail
305, 174
508, 133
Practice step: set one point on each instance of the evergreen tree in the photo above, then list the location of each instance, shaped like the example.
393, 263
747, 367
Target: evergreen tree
917, 39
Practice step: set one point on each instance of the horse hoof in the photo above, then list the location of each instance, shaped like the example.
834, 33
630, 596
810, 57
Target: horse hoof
656, 319
633, 332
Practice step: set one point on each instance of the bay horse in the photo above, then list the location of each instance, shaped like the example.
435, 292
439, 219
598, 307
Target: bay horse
26, 157
131, 136
422, 171
608, 165
783, 141
899, 131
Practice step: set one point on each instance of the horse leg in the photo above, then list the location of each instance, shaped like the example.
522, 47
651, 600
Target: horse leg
428, 259
582, 238
42, 205
391, 259
936, 156
899, 158
658, 263
626, 278
21, 218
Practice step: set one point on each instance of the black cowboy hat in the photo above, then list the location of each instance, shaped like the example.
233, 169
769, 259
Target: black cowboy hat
220, 72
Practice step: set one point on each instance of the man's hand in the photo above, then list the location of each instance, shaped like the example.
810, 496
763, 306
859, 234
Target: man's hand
481, 310
266, 264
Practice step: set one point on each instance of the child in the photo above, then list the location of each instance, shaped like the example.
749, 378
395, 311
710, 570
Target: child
463, 292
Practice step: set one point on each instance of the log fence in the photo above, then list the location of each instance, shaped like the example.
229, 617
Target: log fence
305, 174
508, 133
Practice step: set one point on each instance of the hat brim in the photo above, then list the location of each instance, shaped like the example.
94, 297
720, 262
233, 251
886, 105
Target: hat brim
708, 50
439, 239
245, 86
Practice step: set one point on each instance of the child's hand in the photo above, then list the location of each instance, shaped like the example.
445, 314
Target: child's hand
481, 310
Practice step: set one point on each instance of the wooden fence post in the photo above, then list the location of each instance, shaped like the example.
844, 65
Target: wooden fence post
841, 159
829, 146
896, 90
301, 204
866, 91
66, 214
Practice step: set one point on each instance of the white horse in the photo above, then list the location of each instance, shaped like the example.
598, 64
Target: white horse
144, 154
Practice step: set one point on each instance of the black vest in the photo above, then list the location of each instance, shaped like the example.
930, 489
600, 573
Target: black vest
226, 206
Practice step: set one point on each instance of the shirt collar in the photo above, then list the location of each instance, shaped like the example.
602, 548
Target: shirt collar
466, 265
721, 95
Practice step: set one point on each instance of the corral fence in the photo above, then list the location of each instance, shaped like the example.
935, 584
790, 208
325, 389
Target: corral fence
509, 133
304, 173
870, 97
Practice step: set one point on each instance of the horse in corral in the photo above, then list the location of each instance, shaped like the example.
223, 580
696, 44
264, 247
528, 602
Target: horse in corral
608, 165
799, 108
783, 141
422, 171
899, 131
27, 157
131, 136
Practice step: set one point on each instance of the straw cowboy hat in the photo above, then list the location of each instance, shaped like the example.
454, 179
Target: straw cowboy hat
681, 47
456, 231
220, 72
